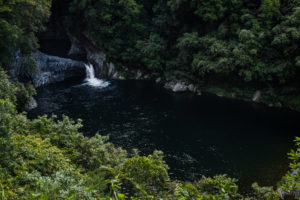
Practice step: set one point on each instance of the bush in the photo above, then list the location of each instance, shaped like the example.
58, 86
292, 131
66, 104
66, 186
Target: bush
291, 181
149, 172
219, 186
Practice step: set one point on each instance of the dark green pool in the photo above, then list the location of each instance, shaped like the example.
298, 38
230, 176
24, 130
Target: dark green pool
200, 135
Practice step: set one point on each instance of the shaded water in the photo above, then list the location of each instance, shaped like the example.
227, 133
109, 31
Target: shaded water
200, 135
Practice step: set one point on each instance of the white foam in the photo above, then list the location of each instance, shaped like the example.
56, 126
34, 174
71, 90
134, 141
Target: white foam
91, 80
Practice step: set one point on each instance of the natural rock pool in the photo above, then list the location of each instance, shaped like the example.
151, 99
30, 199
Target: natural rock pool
199, 135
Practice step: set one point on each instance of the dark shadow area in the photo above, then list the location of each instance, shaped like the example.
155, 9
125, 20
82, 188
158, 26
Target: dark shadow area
55, 47
55, 40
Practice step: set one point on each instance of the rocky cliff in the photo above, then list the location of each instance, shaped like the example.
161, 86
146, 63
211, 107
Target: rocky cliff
52, 69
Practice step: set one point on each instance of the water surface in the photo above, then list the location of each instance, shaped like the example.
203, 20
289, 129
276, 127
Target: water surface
200, 135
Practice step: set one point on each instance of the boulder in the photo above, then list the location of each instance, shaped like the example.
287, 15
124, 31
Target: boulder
199, 93
111, 69
116, 75
158, 80
177, 86
31, 104
192, 88
256, 96
139, 75
278, 104
169, 85
180, 87
146, 77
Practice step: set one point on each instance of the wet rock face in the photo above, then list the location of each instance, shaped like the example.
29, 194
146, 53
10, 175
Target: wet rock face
96, 57
52, 69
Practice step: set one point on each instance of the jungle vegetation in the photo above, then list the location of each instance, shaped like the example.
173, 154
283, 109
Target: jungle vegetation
253, 42
49, 158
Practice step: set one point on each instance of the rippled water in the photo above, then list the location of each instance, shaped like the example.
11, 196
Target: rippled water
200, 135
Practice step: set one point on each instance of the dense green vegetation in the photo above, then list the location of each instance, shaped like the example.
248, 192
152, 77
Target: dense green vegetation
15, 91
48, 158
19, 21
247, 44
253, 42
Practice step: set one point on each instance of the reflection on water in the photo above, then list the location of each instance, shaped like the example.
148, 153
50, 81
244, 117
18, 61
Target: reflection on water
200, 135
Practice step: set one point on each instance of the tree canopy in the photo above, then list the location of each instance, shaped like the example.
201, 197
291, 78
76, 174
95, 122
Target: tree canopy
20, 20
255, 43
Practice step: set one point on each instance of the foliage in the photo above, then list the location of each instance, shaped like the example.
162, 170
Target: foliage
219, 187
148, 172
255, 43
291, 181
48, 158
210, 11
19, 21
264, 192
7, 89
63, 184
150, 51
252, 42
269, 11
15, 91
112, 24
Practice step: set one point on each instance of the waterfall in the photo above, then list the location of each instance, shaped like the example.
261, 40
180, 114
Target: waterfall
91, 79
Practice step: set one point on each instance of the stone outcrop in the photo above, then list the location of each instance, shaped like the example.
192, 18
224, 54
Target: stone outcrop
181, 86
105, 69
138, 75
76, 47
256, 96
116, 75
52, 69
192, 88
158, 80
176, 86
97, 58
31, 104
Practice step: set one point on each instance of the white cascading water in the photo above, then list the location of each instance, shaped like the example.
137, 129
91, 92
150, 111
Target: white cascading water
91, 79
